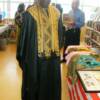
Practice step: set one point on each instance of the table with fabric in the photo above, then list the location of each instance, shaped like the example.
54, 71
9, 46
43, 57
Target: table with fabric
80, 58
3, 28
3, 35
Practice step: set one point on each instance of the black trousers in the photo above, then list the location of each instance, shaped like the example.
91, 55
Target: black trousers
72, 37
48, 86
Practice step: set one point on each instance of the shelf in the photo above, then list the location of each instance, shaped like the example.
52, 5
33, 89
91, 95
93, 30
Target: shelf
93, 29
94, 41
92, 35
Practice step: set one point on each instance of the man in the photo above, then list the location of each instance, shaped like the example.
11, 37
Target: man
38, 52
0, 16
73, 34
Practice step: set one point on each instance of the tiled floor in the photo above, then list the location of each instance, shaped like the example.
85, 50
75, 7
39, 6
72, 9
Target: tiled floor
10, 76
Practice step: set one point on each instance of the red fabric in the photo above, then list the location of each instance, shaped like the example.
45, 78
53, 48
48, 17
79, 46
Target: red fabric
70, 94
70, 89
78, 97
82, 91
95, 96
73, 91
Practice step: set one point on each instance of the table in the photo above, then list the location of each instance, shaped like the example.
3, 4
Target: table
76, 91
3, 29
3, 35
74, 61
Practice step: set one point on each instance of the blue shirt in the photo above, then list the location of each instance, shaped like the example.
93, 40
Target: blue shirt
79, 18
0, 17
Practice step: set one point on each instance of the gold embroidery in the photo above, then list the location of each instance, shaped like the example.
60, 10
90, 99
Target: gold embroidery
47, 29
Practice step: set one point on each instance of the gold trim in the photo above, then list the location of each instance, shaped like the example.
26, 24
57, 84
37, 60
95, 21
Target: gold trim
37, 13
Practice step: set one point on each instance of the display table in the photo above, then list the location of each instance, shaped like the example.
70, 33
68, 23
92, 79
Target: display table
3, 36
90, 80
3, 29
76, 91
80, 58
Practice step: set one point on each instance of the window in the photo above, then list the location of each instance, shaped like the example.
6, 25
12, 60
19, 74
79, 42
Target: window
86, 5
9, 7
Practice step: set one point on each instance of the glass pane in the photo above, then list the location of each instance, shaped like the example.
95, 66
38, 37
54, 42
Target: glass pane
66, 8
92, 3
64, 1
88, 11
3, 10
14, 8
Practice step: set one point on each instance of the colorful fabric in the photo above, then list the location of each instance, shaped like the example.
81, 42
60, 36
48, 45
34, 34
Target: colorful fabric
18, 22
18, 18
76, 91
78, 57
71, 61
76, 48
88, 61
47, 22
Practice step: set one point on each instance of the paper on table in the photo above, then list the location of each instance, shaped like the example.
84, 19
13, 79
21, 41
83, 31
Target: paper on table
91, 80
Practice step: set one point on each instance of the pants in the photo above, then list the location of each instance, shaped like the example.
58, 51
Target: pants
72, 37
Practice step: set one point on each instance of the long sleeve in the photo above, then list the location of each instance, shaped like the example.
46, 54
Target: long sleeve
22, 41
27, 42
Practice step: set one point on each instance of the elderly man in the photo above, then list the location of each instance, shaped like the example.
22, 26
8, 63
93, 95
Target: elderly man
38, 52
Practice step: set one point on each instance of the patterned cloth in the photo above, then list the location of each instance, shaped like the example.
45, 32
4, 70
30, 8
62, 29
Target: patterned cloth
18, 22
76, 91
80, 58
47, 22
88, 61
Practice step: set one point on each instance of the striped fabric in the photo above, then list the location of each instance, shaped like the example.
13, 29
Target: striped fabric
76, 91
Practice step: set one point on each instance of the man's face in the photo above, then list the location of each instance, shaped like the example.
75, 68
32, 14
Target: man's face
75, 4
44, 3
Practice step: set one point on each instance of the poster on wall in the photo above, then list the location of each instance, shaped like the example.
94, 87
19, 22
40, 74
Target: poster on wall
90, 80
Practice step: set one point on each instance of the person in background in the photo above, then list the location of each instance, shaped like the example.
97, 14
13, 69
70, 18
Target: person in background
0, 16
38, 52
59, 8
78, 17
18, 17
